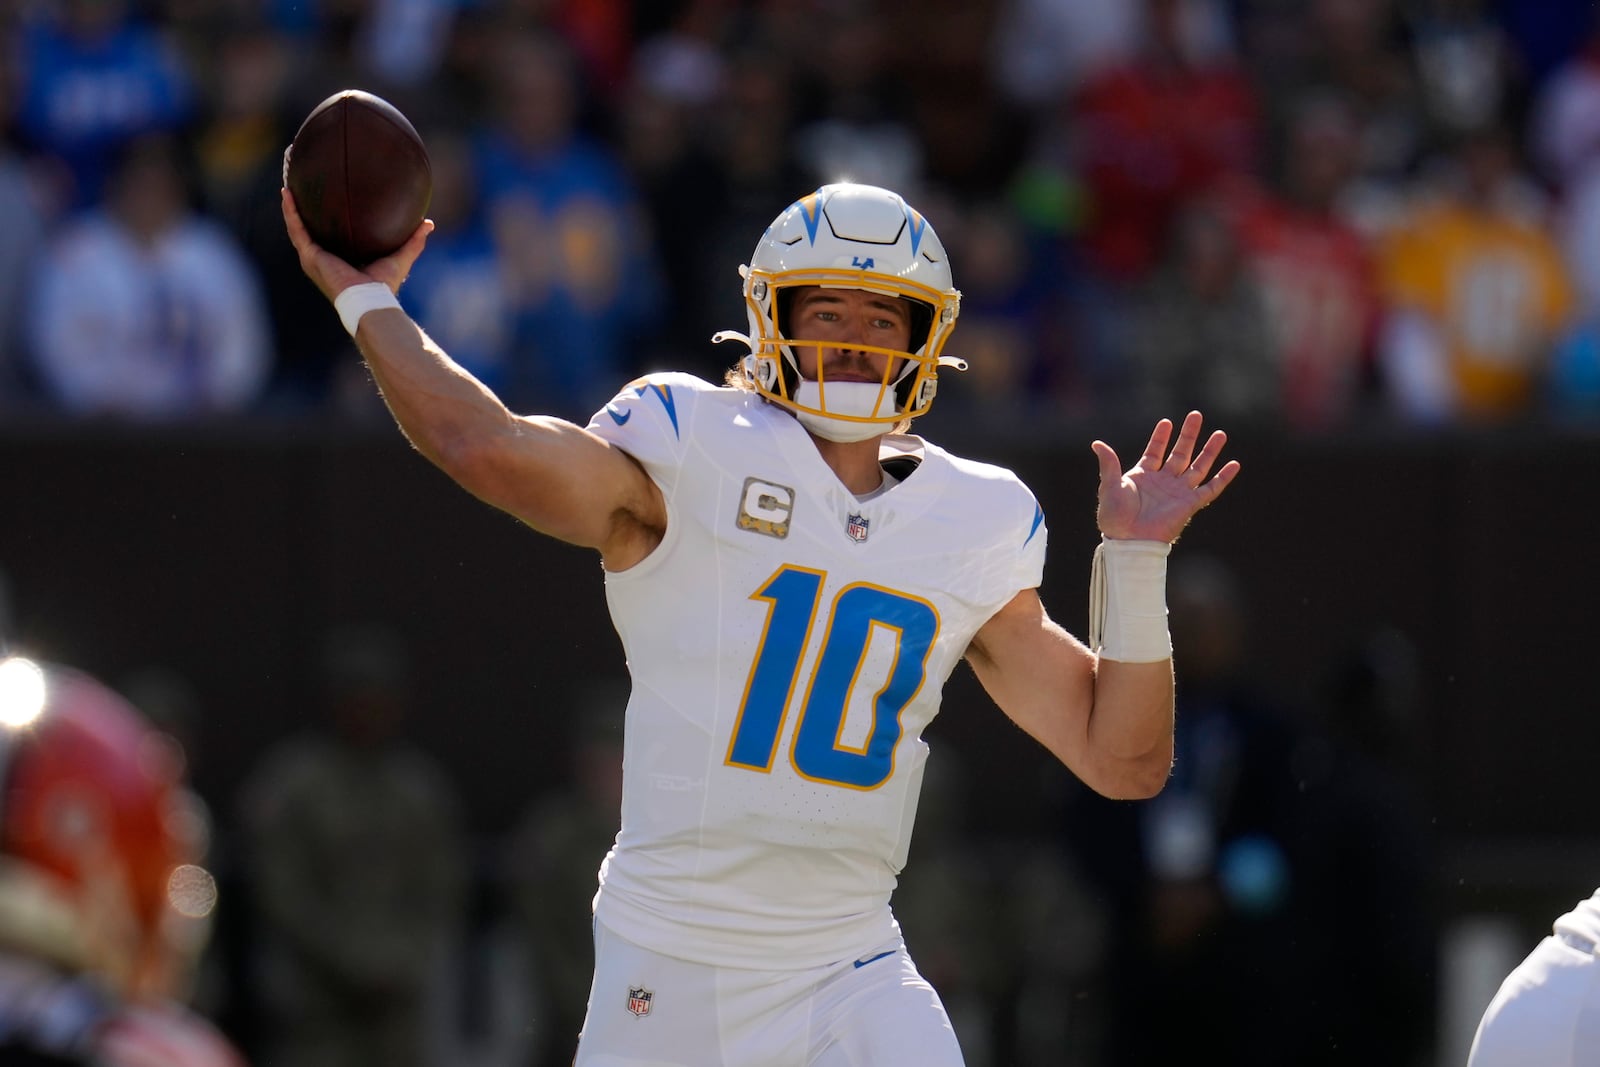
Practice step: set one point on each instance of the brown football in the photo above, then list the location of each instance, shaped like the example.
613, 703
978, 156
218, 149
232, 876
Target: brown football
360, 176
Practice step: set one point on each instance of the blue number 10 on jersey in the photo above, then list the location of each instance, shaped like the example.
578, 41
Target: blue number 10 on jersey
818, 753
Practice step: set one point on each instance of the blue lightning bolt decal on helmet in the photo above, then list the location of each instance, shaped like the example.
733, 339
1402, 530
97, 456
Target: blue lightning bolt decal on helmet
849, 236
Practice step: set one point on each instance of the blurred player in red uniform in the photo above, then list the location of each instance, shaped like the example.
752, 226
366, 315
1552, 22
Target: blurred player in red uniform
103, 908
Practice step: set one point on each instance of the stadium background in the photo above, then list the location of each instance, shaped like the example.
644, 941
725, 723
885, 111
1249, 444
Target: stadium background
222, 544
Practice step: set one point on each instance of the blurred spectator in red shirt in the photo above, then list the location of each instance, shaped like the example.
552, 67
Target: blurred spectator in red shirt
1156, 131
1313, 266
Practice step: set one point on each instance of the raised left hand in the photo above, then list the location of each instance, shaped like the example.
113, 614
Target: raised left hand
1156, 498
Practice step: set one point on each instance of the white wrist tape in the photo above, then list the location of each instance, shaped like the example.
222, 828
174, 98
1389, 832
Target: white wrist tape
1128, 601
357, 300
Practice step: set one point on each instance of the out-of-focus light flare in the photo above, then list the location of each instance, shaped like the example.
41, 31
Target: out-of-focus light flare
22, 691
192, 891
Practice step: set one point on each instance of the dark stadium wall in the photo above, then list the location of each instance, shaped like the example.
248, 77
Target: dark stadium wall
224, 553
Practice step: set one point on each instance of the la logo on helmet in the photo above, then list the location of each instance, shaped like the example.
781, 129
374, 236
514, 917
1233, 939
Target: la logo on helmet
864, 264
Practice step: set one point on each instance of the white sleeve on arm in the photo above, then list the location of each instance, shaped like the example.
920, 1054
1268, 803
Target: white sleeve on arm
649, 419
1030, 557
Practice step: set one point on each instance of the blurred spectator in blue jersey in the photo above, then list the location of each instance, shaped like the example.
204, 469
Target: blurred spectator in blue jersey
569, 228
96, 74
458, 291
1014, 315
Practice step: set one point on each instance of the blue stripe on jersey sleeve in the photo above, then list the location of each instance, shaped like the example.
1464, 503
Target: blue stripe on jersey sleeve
664, 394
1038, 520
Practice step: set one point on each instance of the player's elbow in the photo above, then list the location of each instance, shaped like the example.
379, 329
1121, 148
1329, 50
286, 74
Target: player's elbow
1134, 779
1148, 781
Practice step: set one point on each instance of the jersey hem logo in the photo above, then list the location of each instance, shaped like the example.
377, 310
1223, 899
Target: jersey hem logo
863, 961
639, 999
765, 508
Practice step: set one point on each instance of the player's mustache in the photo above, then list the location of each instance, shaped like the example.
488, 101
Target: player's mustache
848, 367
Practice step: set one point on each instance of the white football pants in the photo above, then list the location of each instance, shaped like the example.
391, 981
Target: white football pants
649, 1010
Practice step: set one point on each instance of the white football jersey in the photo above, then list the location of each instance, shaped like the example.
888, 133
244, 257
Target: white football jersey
787, 645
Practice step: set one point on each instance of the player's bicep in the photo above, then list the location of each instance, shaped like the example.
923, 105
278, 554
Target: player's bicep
569, 483
1037, 673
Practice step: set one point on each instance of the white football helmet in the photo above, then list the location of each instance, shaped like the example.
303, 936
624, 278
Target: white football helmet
849, 236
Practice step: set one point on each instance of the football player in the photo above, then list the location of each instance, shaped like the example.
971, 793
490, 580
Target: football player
794, 576
103, 905
1547, 1011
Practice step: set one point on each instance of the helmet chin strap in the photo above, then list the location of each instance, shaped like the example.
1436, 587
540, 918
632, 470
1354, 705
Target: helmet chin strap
864, 400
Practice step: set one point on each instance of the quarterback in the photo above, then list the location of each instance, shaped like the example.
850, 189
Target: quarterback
794, 576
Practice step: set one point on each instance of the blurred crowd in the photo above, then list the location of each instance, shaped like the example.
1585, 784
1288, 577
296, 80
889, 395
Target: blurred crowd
1316, 213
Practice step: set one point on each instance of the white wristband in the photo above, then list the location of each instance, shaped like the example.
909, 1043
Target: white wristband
1128, 601
357, 300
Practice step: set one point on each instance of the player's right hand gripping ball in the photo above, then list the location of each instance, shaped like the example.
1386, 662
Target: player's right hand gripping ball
360, 176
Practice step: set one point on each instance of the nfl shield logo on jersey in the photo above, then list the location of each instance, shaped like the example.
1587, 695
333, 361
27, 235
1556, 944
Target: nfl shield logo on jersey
639, 999
856, 527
